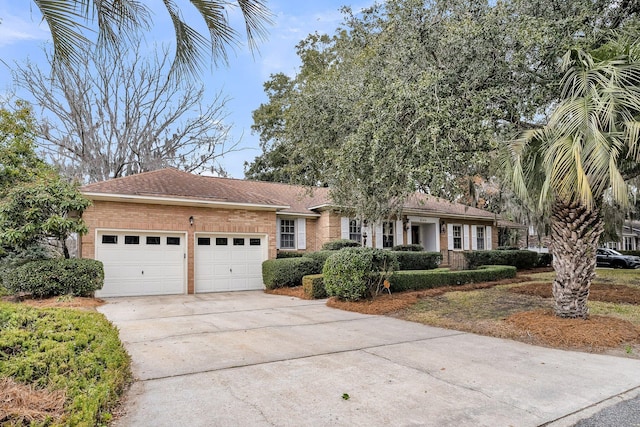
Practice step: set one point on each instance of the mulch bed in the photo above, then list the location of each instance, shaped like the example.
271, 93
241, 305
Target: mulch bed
597, 332
82, 303
619, 294
22, 404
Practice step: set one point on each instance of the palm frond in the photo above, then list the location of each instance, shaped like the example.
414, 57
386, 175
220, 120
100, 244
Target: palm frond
66, 21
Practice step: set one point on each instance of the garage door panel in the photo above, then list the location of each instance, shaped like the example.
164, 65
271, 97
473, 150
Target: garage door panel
236, 265
141, 269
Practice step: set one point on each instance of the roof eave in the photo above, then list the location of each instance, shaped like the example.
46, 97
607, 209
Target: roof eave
177, 201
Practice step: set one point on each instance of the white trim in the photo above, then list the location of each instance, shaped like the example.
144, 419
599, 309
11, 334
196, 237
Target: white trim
487, 237
450, 237
410, 232
173, 201
399, 238
298, 214
379, 239
474, 237
278, 233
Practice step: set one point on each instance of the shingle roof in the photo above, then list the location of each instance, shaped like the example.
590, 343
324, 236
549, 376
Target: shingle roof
175, 184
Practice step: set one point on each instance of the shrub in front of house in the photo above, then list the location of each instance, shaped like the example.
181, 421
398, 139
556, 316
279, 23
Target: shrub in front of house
544, 260
320, 257
336, 245
418, 260
47, 278
286, 272
427, 279
353, 274
521, 259
289, 254
313, 286
632, 253
408, 248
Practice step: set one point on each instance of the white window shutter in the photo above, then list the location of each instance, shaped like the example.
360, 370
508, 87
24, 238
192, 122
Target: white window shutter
344, 227
399, 233
379, 241
474, 237
278, 233
409, 237
488, 237
450, 235
301, 225
466, 237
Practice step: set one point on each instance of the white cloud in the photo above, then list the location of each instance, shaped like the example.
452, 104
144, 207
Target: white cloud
14, 29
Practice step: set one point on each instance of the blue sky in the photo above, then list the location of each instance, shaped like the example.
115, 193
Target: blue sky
22, 35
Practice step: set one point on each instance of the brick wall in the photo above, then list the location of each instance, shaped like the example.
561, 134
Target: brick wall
449, 257
137, 216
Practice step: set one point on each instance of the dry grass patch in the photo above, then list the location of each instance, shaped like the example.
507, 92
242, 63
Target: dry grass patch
21, 404
619, 294
295, 291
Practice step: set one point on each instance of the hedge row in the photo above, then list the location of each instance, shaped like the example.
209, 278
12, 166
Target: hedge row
418, 260
521, 259
427, 279
313, 286
47, 278
632, 253
287, 272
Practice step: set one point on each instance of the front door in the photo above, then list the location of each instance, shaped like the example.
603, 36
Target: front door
415, 235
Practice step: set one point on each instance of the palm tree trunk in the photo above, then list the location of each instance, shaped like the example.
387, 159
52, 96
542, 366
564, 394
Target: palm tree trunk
575, 231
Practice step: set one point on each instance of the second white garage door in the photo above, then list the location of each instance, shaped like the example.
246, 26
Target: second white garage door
229, 262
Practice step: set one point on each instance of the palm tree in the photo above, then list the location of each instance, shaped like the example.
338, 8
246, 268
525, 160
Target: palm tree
117, 20
581, 159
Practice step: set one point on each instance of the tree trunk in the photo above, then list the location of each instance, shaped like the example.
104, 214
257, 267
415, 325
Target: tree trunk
575, 231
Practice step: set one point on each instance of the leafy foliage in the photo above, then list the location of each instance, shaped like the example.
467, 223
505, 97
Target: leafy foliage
428, 279
47, 278
418, 260
287, 272
408, 248
70, 350
353, 274
521, 259
313, 286
336, 245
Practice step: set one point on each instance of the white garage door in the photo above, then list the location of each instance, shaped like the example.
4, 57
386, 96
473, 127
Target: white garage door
143, 263
229, 262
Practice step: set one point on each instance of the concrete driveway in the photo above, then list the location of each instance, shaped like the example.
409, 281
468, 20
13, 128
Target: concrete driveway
252, 359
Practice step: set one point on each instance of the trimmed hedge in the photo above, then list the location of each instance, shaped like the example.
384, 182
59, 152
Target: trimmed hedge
287, 272
320, 258
336, 245
632, 253
521, 259
544, 260
353, 274
408, 248
427, 279
289, 254
313, 286
47, 278
418, 260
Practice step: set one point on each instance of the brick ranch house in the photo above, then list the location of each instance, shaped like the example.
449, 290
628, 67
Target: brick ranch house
172, 232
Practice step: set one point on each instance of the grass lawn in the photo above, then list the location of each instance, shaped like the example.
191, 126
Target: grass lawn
58, 367
522, 309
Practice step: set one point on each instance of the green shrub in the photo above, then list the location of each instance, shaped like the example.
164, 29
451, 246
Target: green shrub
10, 260
507, 248
544, 260
352, 274
287, 272
320, 257
520, 259
418, 260
408, 248
313, 286
47, 278
427, 279
64, 349
336, 245
289, 254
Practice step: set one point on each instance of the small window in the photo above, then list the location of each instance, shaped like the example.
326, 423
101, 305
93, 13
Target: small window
204, 241
287, 234
238, 242
355, 230
222, 241
254, 242
175, 241
480, 238
457, 236
387, 234
109, 239
153, 240
131, 240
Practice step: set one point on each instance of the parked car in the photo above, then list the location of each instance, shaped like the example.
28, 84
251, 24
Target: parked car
610, 258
